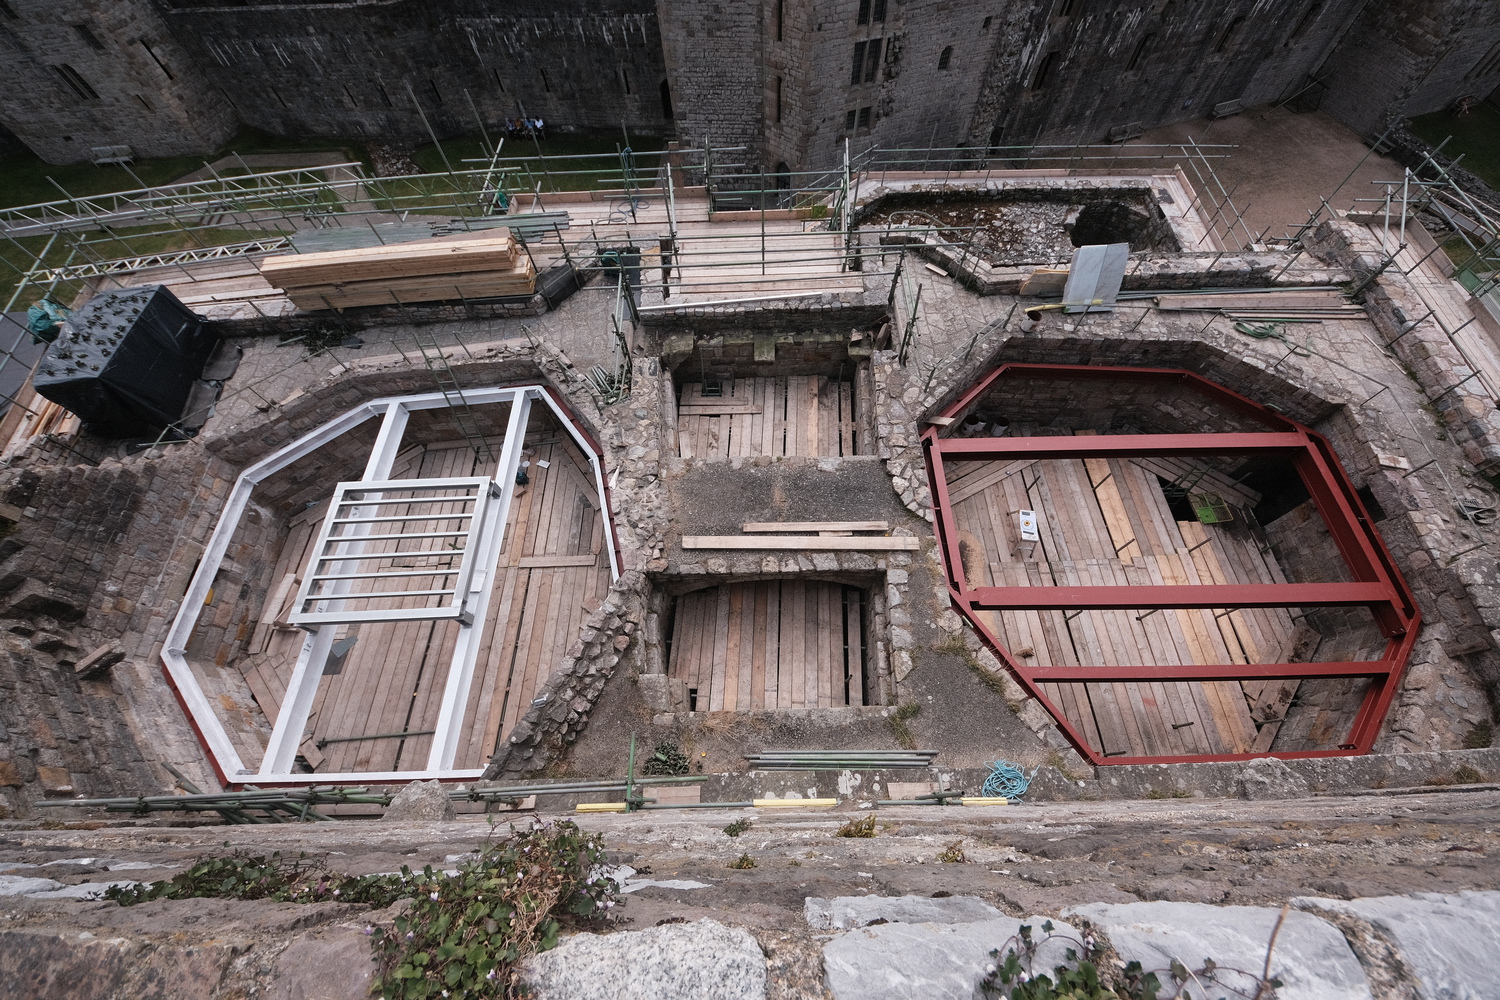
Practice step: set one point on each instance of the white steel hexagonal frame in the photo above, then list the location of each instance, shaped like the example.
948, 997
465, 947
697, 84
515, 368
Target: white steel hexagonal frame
276, 765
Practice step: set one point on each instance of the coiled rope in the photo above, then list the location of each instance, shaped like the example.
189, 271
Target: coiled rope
1007, 780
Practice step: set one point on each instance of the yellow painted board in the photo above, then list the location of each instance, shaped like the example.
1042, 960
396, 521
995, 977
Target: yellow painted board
788, 803
981, 800
601, 807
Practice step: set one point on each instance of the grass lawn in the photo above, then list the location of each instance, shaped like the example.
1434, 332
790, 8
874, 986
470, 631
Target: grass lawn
23, 176
560, 175
1476, 134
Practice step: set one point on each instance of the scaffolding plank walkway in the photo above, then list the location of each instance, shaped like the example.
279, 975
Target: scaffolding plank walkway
776, 416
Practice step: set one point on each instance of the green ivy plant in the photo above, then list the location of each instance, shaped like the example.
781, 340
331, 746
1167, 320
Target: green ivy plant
1079, 978
463, 934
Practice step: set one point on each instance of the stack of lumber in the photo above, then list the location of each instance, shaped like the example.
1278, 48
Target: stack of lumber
420, 271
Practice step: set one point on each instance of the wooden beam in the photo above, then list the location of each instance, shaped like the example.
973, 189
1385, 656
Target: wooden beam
799, 543
764, 526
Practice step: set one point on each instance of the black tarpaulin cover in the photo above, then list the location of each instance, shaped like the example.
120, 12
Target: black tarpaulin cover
126, 361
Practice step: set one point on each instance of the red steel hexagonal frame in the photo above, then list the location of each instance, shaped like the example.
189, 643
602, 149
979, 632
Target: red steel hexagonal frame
1376, 582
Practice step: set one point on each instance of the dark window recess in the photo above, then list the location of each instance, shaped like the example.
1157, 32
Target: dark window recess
79, 85
864, 118
780, 17
1487, 65
666, 100
498, 82
864, 12
1044, 71
1228, 35
350, 94
1367, 497
778, 100
144, 103
1140, 50
986, 25
872, 60
1066, 7
437, 95
88, 36
280, 100
1309, 16
857, 70
9, 11
945, 58
157, 59
783, 176
383, 95
546, 84
996, 134
849, 117
878, 13
625, 79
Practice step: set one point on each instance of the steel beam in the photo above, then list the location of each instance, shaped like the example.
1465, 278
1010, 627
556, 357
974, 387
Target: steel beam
1110, 445
1244, 595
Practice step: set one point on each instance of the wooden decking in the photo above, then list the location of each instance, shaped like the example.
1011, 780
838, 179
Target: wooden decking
776, 416
552, 571
1107, 522
770, 644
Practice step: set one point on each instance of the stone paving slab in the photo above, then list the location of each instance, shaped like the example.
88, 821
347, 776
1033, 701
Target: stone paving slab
1450, 942
927, 961
844, 912
1311, 956
703, 960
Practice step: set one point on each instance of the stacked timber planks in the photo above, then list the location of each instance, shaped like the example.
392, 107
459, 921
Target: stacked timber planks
421, 271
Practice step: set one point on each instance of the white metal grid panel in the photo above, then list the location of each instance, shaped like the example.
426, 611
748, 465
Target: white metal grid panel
395, 550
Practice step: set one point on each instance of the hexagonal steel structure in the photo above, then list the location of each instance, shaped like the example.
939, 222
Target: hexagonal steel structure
392, 412
1375, 581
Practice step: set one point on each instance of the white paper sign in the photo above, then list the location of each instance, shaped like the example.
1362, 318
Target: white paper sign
1028, 526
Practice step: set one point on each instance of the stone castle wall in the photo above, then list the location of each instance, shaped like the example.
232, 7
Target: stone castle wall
80, 74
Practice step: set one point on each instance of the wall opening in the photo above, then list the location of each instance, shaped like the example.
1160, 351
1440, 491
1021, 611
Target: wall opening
783, 643
946, 58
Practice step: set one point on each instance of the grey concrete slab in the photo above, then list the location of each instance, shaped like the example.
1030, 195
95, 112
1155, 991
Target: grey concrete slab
1450, 942
844, 912
927, 961
703, 960
1311, 957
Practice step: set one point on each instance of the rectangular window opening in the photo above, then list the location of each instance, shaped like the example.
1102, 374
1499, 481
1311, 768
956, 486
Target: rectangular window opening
1140, 50
625, 79
350, 94
144, 103
1044, 71
1229, 33
878, 13
437, 95
864, 118
280, 100
857, 72
1066, 7
849, 117
88, 36
1309, 16
872, 60
79, 85
864, 12
1487, 65
778, 100
546, 84
780, 17
9, 11
157, 59
383, 95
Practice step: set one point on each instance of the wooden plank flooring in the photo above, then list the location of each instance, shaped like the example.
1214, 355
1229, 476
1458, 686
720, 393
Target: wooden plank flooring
770, 644
552, 571
1107, 522
777, 416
